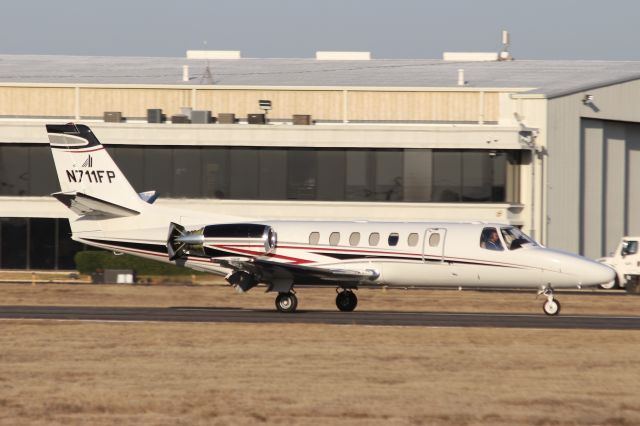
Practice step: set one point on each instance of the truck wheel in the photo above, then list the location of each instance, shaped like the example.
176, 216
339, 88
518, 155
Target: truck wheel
632, 285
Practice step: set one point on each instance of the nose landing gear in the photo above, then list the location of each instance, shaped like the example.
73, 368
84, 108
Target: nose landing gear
551, 306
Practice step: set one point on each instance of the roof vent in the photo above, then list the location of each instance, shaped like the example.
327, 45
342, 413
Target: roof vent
461, 80
343, 56
506, 42
213, 54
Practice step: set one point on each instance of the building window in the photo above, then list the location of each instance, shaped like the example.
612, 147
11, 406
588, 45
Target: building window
37, 243
264, 173
302, 174
13, 243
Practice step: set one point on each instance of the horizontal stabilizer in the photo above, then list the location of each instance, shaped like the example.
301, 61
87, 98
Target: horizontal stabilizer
83, 204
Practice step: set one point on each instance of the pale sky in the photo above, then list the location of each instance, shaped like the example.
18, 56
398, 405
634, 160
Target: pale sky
540, 29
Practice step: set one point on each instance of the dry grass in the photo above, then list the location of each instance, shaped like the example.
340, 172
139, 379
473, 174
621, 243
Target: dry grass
584, 302
226, 374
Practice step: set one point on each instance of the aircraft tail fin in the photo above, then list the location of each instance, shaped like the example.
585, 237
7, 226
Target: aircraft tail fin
90, 181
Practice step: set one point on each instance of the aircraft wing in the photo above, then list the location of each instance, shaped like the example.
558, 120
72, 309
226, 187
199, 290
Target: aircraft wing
277, 272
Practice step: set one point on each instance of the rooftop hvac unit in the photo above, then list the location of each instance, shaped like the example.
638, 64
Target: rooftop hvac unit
186, 111
155, 116
201, 116
301, 119
213, 54
180, 119
343, 56
226, 118
112, 116
256, 119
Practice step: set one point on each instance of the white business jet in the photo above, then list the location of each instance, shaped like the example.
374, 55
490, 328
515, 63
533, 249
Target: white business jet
107, 212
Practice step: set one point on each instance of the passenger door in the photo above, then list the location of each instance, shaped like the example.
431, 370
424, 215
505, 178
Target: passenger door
433, 244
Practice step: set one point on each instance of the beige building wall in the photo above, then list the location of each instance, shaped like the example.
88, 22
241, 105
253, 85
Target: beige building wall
37, 101
422, 106
334, 104
130, 101
321, 104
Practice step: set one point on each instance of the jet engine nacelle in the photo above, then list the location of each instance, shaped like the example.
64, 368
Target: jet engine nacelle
253, 237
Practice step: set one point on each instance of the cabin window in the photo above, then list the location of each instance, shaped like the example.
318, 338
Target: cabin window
314, 238
334, 238
515, 238
412, 239
354, 238
490, 240
393, 239
434, 240
374, 239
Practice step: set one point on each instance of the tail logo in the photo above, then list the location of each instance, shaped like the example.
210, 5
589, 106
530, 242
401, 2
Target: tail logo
88, 162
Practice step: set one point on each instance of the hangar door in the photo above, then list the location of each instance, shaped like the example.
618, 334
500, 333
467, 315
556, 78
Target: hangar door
610, 184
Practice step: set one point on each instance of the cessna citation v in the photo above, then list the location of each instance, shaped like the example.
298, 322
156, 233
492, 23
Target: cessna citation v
107, 212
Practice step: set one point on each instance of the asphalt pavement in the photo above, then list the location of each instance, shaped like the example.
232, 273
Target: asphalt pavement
374, 318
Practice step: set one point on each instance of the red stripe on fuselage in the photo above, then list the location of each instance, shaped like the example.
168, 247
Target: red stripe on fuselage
234, 248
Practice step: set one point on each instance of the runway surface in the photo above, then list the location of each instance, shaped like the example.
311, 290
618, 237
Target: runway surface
379, 318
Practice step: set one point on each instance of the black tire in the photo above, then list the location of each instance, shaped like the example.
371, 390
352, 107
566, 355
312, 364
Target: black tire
551, 308
346, 301
632, 286
286, 302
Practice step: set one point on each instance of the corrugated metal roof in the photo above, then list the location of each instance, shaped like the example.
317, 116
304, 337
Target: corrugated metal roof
551, 78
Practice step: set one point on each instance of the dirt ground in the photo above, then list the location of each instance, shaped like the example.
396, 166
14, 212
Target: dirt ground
59, 372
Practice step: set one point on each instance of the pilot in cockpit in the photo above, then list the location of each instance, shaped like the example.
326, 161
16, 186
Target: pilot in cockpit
490, 239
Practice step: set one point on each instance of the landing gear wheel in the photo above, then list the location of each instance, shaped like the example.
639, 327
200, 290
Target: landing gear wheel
286, 302
551, 307
610, 285
346, 301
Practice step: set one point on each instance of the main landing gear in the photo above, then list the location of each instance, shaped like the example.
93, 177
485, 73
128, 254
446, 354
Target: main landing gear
551, 306
286, 302
346, 300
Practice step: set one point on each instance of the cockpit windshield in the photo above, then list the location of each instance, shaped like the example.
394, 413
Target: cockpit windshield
515, 238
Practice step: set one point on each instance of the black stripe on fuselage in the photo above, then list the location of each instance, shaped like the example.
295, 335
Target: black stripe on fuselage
355, 257
155, 248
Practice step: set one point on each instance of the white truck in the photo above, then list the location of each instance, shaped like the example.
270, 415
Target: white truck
626, 262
